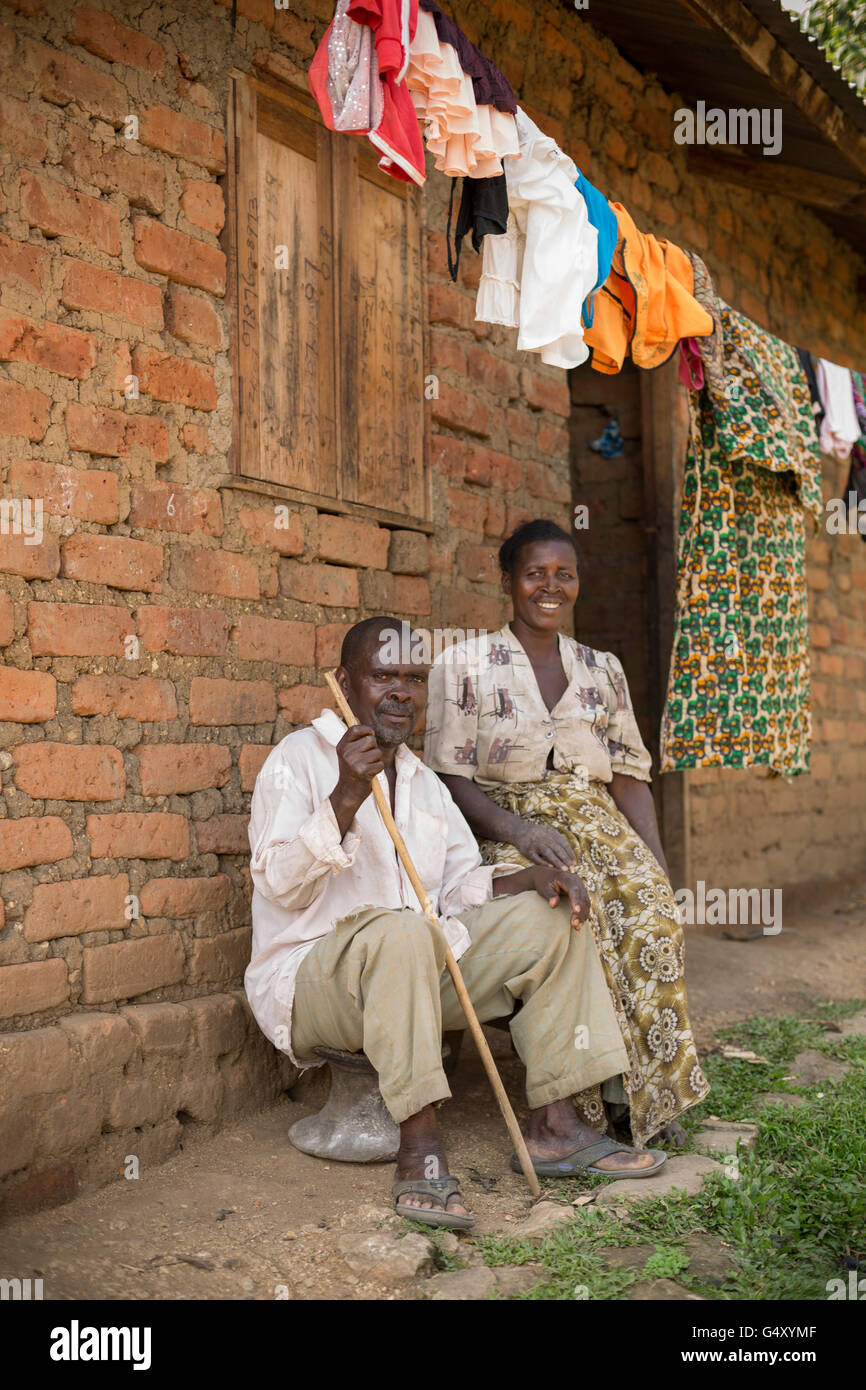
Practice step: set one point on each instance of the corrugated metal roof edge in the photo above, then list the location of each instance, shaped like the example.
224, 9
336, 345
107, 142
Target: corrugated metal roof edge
785, 27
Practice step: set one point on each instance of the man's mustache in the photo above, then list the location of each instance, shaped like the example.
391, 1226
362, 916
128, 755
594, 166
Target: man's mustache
388, 707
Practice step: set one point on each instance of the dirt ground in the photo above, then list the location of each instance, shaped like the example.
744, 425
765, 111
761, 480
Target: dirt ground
243, 1215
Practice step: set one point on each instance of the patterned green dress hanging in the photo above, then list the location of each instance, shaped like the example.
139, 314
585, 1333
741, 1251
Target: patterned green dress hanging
738, 690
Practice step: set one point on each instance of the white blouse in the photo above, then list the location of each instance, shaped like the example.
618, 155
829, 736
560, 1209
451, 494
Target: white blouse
536, 276
487, 720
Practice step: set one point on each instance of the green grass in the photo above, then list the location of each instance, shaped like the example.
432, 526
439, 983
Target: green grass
800, 1203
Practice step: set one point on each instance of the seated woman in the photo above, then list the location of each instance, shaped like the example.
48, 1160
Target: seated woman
535, 737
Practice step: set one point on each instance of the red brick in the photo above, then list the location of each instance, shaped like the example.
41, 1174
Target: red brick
300, 704
33, 840
22, 129
194, 439
76, 906
545, 393
179, 768
167, 377
411, 594
461, 411
250, 761
180, 257
515, 516
447, 305
329, 639
139, 835
183, 631
129, 968
449, 455
494, 520
203, 203
40, 561
62, 79
215, 572
220, 959
101, 34
448, 352
552, 439
478, 563
59, 211
185, 897
274, 528
104, 292
170, 507
113, 560
325, 584
166, 130
144, 698
352, 542
113, 169
491, 469
218, 702
78, 629
66, 351
86, 493
273, 639
502, 378
114, 434
192, 319
62, 772
30, 989
23, 410
466, 510
27, 697
20, 261
543, 482
223, 834
7, 620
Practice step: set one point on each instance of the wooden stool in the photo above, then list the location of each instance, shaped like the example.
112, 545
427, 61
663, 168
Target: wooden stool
354, 1125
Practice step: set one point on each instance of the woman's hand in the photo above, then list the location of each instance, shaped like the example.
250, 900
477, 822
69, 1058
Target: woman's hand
554, 884
543, 845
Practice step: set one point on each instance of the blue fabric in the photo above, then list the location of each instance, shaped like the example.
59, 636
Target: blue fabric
603, 218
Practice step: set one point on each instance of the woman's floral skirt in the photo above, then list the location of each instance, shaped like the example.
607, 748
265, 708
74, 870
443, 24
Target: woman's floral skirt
636, 926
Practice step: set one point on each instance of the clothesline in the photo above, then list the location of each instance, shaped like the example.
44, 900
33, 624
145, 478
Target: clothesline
560, 263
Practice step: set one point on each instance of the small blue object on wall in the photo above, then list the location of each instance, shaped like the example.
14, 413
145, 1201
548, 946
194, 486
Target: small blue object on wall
610, 444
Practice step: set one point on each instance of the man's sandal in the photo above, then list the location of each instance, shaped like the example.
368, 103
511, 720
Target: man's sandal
438, 1188
584, 1160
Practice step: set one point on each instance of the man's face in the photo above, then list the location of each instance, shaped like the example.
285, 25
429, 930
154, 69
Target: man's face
388, 697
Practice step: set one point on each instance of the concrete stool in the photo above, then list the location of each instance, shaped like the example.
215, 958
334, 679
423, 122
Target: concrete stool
354, 1125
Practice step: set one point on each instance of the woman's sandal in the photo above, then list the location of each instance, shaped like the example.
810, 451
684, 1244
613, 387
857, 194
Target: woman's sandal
584, 1160
439, 1188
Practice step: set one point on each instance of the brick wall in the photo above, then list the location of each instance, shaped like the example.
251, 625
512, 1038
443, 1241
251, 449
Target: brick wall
165, 634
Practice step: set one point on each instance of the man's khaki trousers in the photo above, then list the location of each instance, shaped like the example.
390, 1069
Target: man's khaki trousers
377, 983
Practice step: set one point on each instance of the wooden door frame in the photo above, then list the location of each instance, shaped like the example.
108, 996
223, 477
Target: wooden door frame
663, 457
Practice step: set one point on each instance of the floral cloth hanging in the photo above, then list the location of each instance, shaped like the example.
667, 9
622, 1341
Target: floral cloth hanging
738, 690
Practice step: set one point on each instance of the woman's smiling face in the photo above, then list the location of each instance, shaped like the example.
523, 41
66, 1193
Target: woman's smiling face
544, 585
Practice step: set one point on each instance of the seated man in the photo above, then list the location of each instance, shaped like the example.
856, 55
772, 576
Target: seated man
343, 957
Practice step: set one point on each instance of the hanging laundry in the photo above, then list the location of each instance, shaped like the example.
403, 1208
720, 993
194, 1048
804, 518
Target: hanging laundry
656, 312
491, 86
709, 349
817, 404
840, 428
465, 138
738, 690
537, 276
601, 216
691, 365
483, 212
355, 81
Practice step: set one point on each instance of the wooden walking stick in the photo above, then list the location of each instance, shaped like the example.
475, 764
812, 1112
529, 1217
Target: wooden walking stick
462, 993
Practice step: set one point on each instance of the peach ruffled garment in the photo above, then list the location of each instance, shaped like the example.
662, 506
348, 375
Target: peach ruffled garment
465, 139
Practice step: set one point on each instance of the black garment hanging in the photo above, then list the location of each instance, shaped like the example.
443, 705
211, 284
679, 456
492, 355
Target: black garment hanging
809, 369
483, 211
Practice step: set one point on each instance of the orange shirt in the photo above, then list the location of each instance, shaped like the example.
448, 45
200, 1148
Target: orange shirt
647, 303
